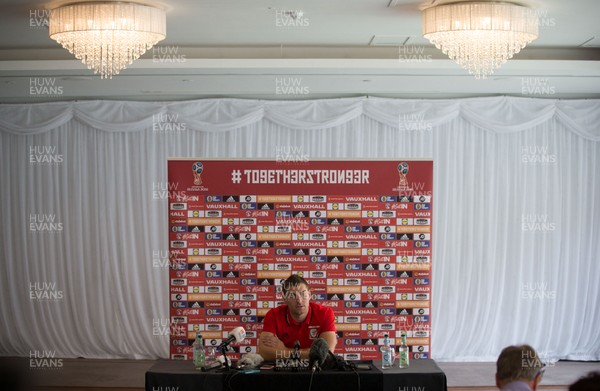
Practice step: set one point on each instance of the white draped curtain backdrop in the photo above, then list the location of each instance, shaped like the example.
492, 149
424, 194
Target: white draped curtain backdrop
516, 229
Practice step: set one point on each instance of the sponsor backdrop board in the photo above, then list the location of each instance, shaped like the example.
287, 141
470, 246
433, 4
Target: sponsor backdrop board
358, 231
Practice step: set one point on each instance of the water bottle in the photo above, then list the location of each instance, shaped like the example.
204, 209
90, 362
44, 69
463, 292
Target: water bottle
387, 353
198, 350
404, 353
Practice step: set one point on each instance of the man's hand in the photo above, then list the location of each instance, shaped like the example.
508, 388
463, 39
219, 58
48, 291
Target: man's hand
271, 341
271, 347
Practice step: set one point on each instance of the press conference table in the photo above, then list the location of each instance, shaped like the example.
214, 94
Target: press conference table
182, 376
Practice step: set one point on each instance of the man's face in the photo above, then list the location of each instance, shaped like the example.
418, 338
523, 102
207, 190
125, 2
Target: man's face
297, 299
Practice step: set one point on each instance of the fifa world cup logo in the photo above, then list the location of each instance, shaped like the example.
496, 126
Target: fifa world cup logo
197, 169
402, 172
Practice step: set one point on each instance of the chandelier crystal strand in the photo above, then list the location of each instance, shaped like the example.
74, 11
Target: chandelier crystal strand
107, 36
480, 36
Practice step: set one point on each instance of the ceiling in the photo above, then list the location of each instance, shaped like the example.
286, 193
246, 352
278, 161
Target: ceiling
338, 48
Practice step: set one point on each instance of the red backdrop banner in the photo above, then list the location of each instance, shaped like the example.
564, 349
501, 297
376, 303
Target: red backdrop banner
358, 231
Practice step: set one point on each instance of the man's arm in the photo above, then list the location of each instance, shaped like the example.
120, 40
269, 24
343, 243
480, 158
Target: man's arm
331, 338
270, 347
329, 324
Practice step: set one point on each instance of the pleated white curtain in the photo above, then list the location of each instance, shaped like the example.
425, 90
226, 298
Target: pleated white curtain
516, 254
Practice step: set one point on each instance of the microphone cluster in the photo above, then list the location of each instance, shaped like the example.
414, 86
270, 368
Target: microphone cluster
291, 361
238, 334
319, 351
317, 355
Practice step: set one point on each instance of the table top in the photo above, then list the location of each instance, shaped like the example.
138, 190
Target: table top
187, 367
421, 375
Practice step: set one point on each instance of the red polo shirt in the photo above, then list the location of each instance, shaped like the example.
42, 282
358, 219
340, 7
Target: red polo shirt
279, 322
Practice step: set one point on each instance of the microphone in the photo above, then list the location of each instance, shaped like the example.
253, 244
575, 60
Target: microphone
251, 360
296, 353
238, 335
319, 351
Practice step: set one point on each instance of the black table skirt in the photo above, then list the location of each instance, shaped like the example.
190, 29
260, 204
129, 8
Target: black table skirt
175, 375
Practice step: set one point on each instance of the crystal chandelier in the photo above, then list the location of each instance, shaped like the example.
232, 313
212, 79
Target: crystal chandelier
107, 36
480, 36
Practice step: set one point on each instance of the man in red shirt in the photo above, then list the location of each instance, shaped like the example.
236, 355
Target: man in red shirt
296, 320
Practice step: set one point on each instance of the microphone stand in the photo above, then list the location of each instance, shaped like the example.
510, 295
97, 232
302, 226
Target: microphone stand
296, 356
224, 351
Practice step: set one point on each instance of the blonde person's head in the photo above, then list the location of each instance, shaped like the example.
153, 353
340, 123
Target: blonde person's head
518, 363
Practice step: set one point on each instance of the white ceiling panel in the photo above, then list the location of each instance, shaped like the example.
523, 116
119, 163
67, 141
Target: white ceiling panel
238, 48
